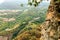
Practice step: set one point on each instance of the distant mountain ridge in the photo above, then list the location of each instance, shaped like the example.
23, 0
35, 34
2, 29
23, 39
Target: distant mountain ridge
9, 5
14, 4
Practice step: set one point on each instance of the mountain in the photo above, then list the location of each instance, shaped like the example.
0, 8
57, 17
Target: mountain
15, 4
9, 5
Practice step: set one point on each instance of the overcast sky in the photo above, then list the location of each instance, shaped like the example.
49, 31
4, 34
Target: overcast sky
21, 1
18, 1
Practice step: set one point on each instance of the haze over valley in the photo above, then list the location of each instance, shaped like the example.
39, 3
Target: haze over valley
15, 19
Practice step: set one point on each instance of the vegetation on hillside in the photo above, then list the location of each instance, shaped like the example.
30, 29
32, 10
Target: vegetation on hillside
16, 23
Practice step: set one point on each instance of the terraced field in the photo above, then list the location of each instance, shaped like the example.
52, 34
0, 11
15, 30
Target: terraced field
13, 23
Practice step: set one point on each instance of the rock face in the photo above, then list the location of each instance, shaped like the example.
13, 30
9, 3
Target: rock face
50, 29
52, 24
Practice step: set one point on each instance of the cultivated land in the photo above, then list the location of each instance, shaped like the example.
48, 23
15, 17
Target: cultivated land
13, 22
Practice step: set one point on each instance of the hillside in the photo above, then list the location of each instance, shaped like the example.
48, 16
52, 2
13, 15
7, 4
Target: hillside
15, 22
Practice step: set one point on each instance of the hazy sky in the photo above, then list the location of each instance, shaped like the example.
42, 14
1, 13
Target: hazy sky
21, 1
12, 4
1, 1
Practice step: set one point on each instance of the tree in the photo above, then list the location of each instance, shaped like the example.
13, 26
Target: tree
21, 5
34, 2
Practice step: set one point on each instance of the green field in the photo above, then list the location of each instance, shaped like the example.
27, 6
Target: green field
17, 22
